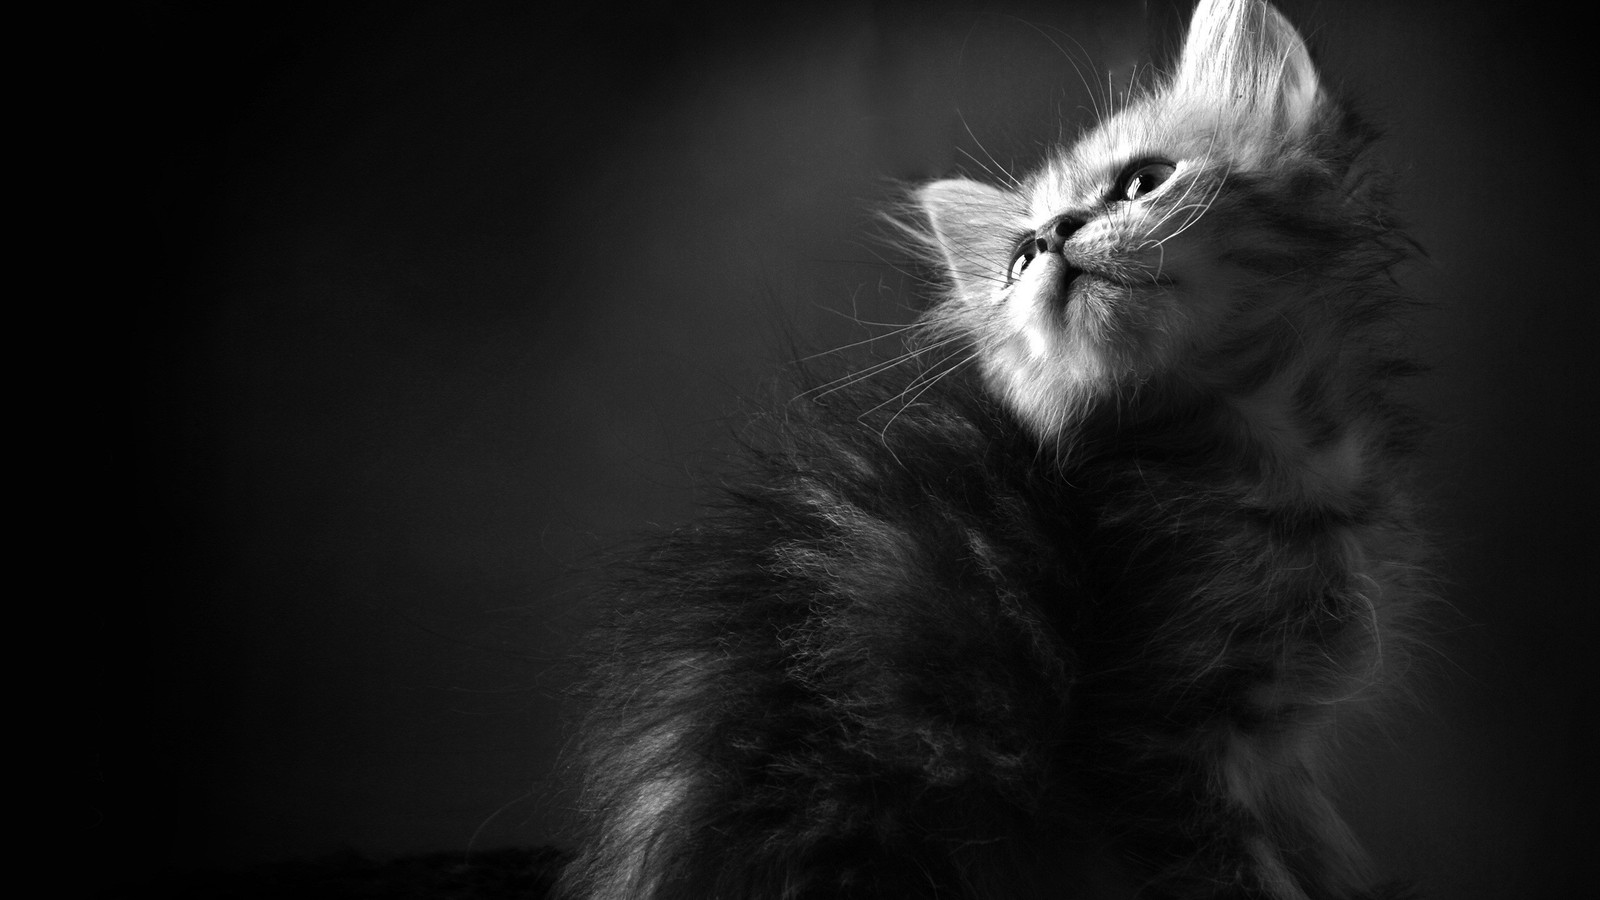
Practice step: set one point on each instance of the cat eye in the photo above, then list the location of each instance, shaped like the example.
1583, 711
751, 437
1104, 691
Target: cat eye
1143, 178
1026, 250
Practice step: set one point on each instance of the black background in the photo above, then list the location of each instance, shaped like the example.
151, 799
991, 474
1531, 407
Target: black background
443, 298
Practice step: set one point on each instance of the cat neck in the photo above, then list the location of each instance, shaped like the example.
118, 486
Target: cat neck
1298, 452
1289, 444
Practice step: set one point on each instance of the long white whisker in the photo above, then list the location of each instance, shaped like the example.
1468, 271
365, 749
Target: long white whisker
998, 169
844, 381
1092, 88
928, 383
877, 337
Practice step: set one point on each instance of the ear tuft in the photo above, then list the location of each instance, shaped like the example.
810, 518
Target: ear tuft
1244, 56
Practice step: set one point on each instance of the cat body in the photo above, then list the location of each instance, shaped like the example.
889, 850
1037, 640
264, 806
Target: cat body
1086, 618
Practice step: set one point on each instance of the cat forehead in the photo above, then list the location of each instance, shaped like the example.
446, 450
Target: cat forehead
1160, 127
1084, 170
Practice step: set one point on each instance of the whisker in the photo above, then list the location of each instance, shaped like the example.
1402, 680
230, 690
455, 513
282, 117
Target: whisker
1091, 88
998, 169
927, 385
893, 332
844, 381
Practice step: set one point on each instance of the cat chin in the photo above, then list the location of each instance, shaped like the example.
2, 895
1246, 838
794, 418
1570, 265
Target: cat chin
1058, 312
1051, 394
1064, 346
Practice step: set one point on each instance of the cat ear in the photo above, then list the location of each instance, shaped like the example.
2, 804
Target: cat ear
1244, 56
972, 224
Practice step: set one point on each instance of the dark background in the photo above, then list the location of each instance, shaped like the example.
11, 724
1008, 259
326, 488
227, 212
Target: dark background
439, 300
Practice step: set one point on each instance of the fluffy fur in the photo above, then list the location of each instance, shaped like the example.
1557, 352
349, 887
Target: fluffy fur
1085, 618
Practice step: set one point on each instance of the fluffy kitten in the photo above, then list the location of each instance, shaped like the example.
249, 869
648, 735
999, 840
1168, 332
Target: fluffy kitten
1083, 619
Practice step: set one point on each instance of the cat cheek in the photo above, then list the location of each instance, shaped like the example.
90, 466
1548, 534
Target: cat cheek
1164, 255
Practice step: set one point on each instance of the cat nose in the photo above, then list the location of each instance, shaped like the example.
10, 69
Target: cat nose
1052, 235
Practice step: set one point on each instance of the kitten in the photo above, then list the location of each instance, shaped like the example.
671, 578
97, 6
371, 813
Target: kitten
1083, 619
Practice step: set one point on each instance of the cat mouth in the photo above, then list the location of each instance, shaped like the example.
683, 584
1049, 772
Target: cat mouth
1077, 284
1053, 273
1054, 284
1076, 278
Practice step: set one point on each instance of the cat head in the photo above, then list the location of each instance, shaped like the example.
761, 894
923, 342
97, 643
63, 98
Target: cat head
1219, 226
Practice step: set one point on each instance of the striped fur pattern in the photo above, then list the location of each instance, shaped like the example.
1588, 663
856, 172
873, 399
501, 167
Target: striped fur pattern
1086, 619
